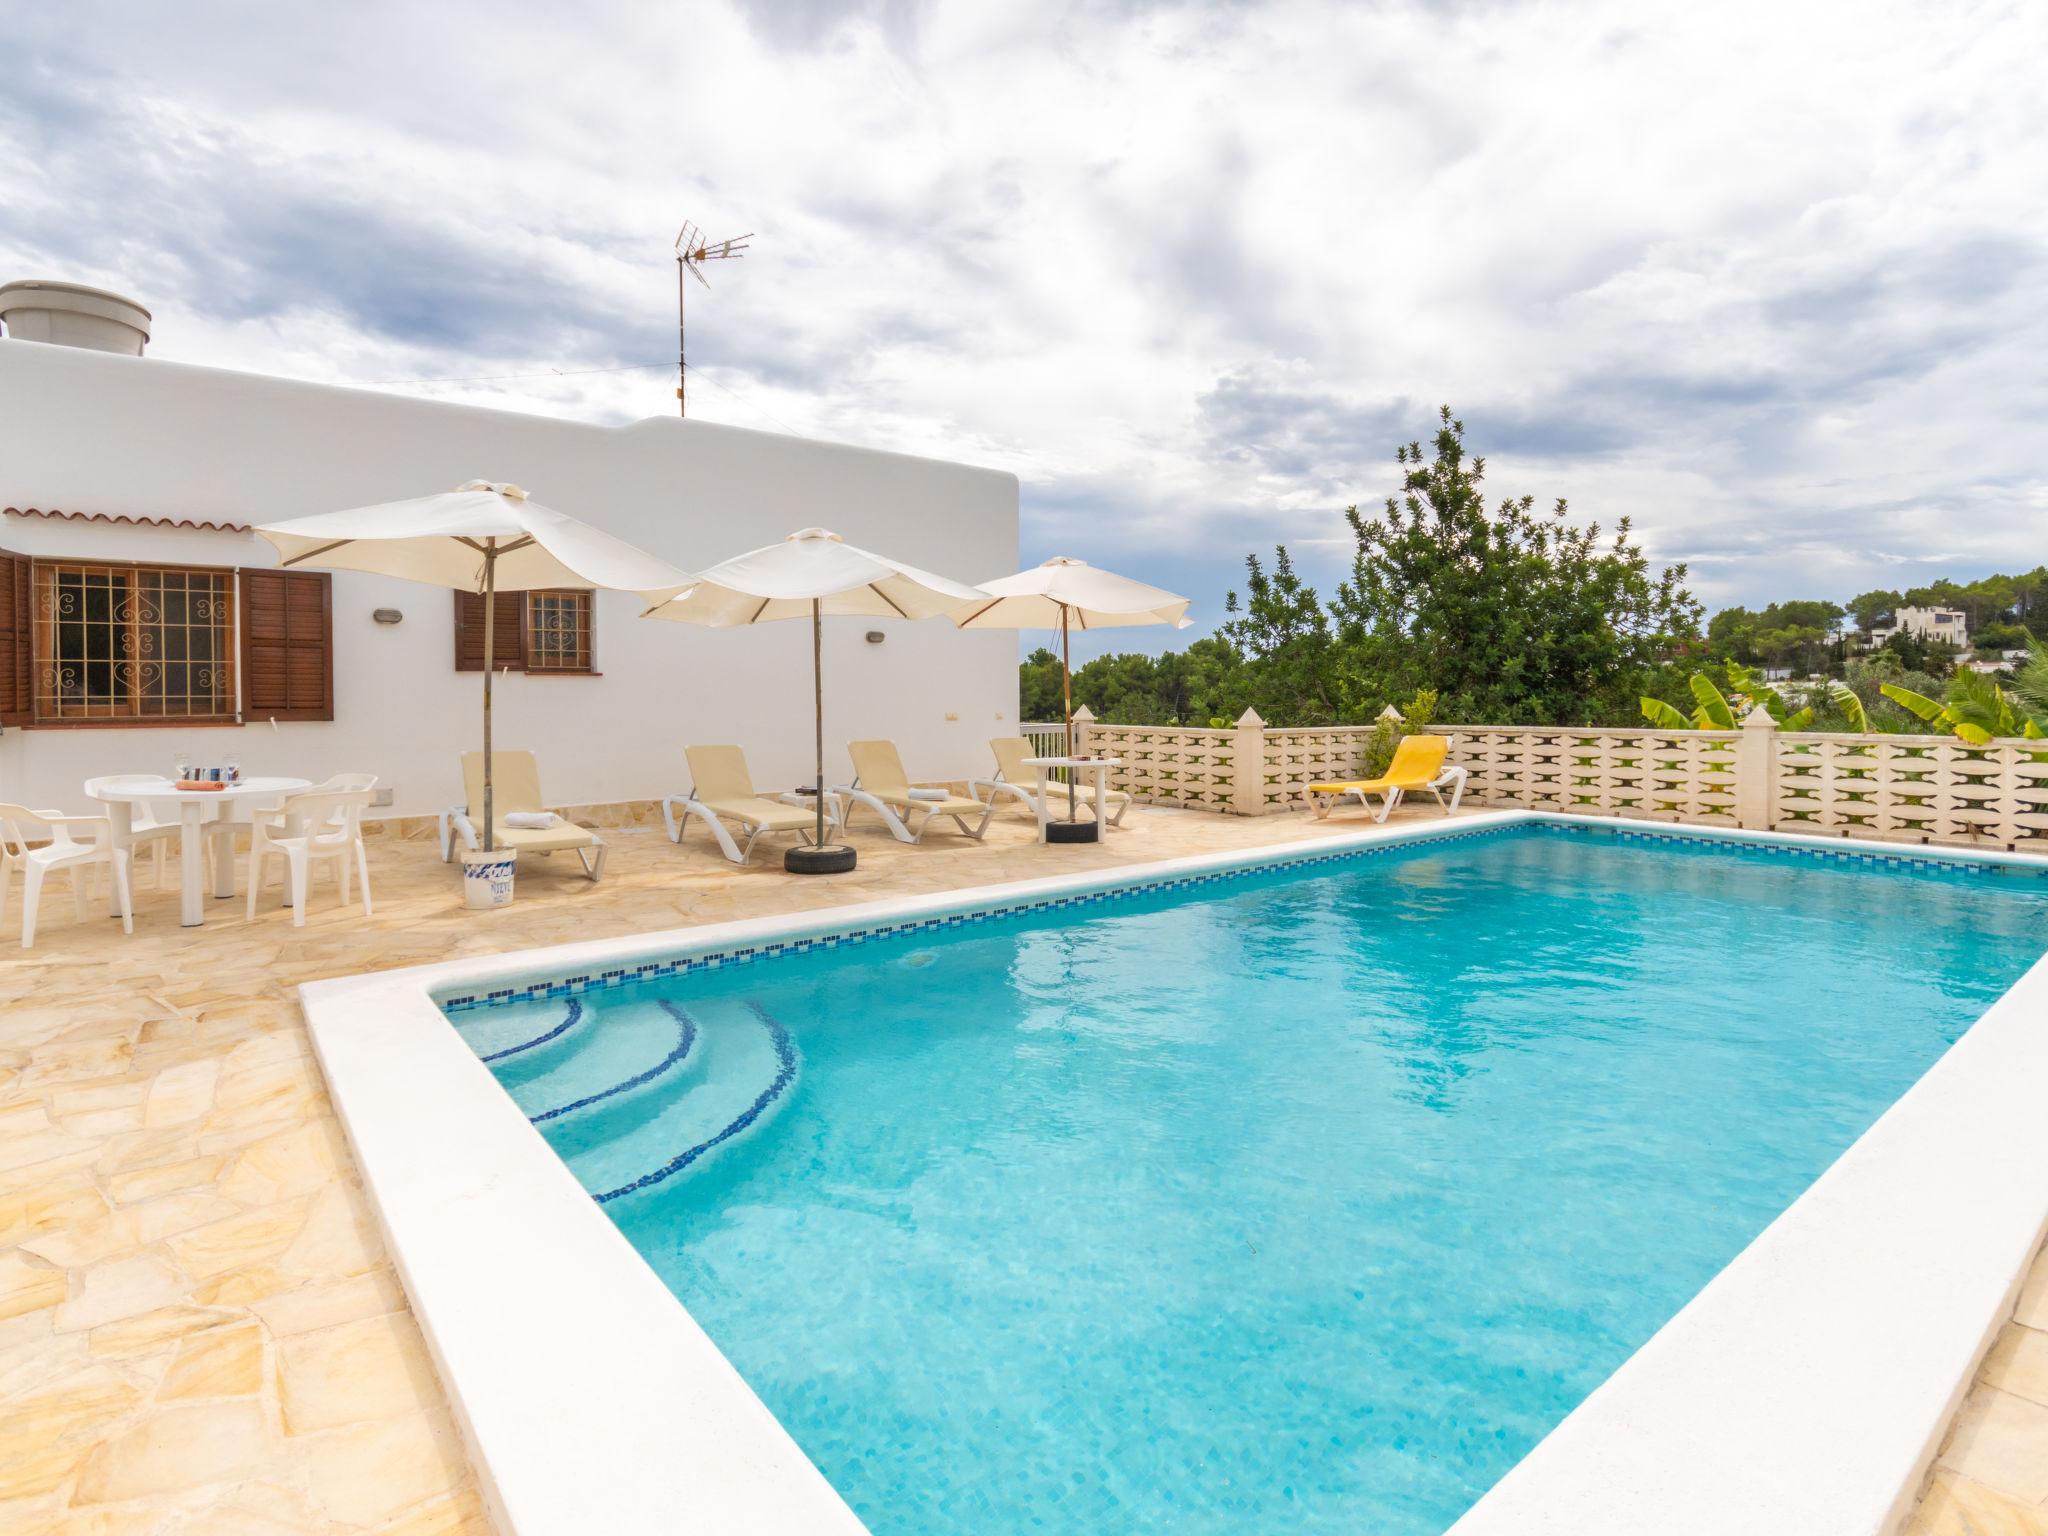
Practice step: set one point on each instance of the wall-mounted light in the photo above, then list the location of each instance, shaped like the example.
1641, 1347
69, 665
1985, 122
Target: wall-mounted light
875, 637
388, 616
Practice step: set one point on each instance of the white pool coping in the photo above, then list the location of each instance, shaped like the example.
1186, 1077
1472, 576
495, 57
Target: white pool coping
1804, 1389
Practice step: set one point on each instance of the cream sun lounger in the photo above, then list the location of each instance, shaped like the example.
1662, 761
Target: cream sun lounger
515, 787
1013, 778
1418, 764
879, 781
722, 790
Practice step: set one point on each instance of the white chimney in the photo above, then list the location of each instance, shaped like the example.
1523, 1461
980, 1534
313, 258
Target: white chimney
72, 315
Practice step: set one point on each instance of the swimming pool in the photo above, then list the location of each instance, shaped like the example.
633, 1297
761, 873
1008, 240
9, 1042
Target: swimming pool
1307, 1197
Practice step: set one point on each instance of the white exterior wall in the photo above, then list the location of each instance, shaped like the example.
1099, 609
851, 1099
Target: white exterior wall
88, 432
1927, 623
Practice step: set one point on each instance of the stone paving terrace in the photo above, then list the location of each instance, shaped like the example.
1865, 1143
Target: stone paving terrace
199, 1328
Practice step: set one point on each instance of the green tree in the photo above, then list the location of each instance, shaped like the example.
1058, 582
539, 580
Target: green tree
1178, 688
1296, 675
1913, 653
2001, 636
1509, 615
1794, 646
1038, 686
1731, 635
1871, 609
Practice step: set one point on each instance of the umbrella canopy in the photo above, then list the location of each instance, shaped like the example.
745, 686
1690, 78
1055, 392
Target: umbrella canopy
811, 572
443, 540
809, 575
1064, 593
485, 537
1065, 590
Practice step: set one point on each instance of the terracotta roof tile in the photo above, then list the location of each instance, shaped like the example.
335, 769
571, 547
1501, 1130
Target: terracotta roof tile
221, 525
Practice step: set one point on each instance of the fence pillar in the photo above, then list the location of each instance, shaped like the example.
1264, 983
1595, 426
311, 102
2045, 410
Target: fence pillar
1248, 765
1756, 771
1083, 718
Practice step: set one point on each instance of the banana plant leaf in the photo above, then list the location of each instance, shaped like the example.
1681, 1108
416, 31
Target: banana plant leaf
1850, 703
1665, 717
1714, 713
1915, 704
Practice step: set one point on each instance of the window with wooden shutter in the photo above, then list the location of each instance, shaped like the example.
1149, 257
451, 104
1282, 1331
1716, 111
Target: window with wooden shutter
544, 632
508, 638
16, 646
287, 645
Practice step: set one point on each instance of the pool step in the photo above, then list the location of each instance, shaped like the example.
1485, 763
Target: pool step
512, 1032
609, 1051
638, 1053
742, 1064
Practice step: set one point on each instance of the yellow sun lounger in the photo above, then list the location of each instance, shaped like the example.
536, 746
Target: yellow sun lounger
1418, 764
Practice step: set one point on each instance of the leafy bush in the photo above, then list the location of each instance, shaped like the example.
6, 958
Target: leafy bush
1412, 719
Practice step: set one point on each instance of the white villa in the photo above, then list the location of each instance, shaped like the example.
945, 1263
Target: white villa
1949, 624
140, 616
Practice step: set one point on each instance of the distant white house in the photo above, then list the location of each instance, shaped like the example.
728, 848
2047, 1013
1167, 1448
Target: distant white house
1949, 624
139, 616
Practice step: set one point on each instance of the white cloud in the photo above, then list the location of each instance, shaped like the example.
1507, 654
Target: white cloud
1771, 279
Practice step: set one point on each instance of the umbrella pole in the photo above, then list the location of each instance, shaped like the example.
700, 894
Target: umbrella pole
490, 655
1067, 687
817, 857
818, 704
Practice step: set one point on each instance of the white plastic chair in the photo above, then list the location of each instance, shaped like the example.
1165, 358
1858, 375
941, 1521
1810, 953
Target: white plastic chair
147, 827
63, 851
313, 825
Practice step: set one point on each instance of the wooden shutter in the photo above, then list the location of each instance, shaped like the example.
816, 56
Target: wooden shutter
287, 645
17, 698
508, 635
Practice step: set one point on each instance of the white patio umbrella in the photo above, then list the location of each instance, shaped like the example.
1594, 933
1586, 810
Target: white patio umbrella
811, 574
1064, 592
484, 537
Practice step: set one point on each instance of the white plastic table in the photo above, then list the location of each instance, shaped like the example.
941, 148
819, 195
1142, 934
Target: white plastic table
1100, 766
192, 817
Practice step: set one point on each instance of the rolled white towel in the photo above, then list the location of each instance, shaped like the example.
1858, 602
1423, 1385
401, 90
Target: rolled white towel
532, 821
929, 794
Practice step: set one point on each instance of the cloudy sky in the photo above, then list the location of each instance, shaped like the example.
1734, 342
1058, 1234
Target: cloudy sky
1772, 279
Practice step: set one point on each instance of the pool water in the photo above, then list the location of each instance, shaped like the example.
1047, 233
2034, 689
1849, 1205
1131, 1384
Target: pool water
1304, 1201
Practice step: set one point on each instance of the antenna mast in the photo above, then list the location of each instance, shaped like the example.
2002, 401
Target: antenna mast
692, 251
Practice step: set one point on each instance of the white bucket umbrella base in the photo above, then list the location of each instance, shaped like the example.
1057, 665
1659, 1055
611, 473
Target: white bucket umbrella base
809, 859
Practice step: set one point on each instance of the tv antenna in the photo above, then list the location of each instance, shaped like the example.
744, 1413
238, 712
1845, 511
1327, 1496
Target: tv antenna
692, 251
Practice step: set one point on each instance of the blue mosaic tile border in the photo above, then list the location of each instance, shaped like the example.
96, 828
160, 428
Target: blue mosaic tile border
1847, 853
656, 970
